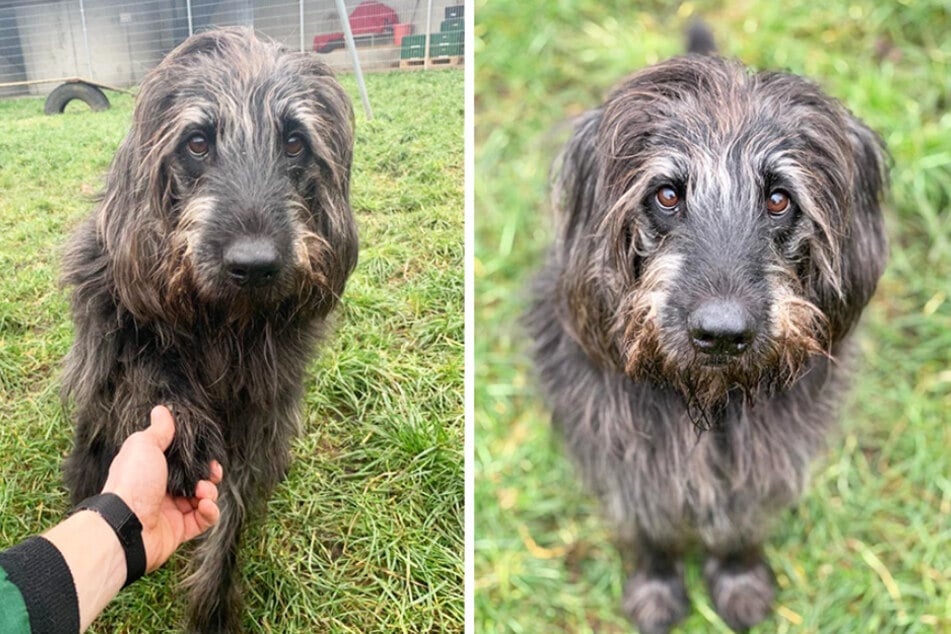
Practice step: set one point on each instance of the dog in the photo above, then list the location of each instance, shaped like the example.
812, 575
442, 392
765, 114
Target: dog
719, 233
205, 276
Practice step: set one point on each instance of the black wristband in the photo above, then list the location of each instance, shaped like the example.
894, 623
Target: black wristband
127, 527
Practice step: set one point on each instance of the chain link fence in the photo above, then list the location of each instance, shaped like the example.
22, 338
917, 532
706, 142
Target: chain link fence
115, 42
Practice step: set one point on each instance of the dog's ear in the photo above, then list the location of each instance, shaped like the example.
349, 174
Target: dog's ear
334, 111
585, 304
132, 236
863, 247
332, 122
574, 178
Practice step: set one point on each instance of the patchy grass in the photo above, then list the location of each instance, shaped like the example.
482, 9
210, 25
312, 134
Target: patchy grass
867, 549
365, 535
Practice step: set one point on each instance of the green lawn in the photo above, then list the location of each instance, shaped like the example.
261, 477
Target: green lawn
365, 535
869, 547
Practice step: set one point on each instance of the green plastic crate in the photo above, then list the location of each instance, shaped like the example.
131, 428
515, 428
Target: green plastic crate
412, 52
446, 48
440, 45
448, 37
454, 24
446, 43
413, 46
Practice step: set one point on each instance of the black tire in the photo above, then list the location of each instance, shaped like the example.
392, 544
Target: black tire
64, 93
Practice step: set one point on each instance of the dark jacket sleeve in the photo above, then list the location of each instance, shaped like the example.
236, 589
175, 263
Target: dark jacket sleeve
36, 579
14, 619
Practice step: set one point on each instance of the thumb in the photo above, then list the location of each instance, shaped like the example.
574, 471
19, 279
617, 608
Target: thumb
162, 429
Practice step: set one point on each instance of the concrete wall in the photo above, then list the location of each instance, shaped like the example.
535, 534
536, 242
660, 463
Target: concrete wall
125, 40
49, 42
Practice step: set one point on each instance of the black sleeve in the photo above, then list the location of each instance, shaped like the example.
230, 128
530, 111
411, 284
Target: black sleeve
44, 580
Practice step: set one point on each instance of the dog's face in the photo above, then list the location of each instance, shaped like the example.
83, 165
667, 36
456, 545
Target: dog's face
718, 227
240, 153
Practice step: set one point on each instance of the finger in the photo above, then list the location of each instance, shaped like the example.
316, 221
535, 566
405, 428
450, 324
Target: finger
203, 517
206, 490
162, 428
217, 472
184, 505
206, 515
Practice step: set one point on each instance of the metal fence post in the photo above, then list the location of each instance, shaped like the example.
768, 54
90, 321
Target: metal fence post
301, 3
82, 17
348, 35
429, 28
188, 6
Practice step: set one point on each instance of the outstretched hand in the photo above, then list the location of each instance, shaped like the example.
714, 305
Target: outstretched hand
139, 475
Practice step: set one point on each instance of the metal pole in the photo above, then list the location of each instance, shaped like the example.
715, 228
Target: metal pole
348, 34
301, 3
191, 30
429, 28
82, 17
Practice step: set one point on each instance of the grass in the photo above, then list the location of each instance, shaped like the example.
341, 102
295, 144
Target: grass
867, 548
365, 535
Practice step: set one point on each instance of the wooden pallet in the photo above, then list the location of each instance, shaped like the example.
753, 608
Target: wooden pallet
445, 61
413, 64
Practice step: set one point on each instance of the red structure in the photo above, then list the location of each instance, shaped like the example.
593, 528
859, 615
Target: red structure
369, 18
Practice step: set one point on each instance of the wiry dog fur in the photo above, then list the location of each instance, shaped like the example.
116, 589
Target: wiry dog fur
203, 279
650, 322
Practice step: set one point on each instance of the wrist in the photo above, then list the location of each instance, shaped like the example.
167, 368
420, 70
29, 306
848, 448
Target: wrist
111, 557
125, 526
95, 559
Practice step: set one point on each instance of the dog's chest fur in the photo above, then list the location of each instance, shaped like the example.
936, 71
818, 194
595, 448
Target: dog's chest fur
639, 451
240, 370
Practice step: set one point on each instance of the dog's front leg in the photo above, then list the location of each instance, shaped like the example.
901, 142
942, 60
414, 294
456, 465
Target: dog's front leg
213, 585
741, 585
198, 440
87, 466
655, 597
256, 464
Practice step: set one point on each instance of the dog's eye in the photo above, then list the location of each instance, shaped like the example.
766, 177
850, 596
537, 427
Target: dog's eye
667, 197
294, 145
198, 145
777, 203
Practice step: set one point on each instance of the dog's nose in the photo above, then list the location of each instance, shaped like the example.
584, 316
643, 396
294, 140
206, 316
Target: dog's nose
721, 327
252, 261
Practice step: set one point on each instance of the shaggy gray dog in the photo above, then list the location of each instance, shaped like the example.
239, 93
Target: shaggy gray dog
204, 277
719, 234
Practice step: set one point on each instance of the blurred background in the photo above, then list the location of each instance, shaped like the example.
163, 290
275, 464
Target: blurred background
869, 547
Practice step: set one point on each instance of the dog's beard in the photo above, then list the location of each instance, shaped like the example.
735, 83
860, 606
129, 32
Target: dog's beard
196, 277
654, 349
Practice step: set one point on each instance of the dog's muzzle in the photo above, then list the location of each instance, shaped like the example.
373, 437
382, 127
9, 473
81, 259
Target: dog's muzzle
721, 328
252, 261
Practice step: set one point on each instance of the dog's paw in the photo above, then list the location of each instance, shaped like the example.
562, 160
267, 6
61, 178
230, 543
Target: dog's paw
656, 602
183, 475
742, 590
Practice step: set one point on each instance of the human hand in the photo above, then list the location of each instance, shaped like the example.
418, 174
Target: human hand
139, 475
